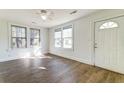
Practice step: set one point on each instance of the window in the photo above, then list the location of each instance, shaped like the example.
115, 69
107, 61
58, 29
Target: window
64, 37
67, 37
108, 25
58, 38
19, 39
34, 37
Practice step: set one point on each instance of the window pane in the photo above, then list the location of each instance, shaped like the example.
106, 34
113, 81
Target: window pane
31, 34
14, 44
67, 43
23, 32
13, 28
36, 34
67, 32
18, 32
19, 42
35, 42
57, 42
63, 37
23, 43
35, 37
31, 41
58, 34
13, 33
57, 37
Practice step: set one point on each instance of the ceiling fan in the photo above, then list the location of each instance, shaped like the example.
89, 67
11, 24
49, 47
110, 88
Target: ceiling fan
46, 14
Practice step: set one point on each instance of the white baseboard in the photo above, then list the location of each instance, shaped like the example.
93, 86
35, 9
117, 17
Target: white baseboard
73, 58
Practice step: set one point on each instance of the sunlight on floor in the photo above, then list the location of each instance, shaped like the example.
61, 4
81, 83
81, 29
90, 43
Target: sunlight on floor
44, 68
28, 55
33, 57
36, 54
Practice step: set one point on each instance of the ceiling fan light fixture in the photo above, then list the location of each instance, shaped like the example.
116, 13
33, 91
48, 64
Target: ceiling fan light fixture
44, 17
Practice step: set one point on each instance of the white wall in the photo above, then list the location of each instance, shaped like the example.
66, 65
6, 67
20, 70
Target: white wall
83, 36
6, 53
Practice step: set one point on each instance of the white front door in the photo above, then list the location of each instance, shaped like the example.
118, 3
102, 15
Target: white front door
109, 44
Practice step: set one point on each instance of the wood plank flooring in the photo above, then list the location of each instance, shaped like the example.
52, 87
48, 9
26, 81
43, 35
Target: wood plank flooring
54, 69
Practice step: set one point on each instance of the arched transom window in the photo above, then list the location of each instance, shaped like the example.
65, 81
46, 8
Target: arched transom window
109, 24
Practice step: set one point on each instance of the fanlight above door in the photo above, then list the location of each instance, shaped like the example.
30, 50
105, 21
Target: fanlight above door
109, 24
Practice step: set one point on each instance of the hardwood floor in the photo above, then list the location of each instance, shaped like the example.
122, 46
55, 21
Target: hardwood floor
54, 69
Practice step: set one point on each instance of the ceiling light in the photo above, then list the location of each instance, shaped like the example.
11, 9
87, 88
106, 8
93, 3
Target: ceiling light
44, 17
46, 14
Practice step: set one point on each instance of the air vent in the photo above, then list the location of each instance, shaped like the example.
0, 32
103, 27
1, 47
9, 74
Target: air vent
73, 12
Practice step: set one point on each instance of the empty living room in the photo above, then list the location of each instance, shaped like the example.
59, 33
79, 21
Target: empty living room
61, 46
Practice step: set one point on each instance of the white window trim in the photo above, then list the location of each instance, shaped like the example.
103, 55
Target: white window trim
10, 34
62, 48
70, 25
25, 36
39, 37
61, 37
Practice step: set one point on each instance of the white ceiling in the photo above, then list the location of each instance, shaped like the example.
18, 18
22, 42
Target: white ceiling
27, 16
